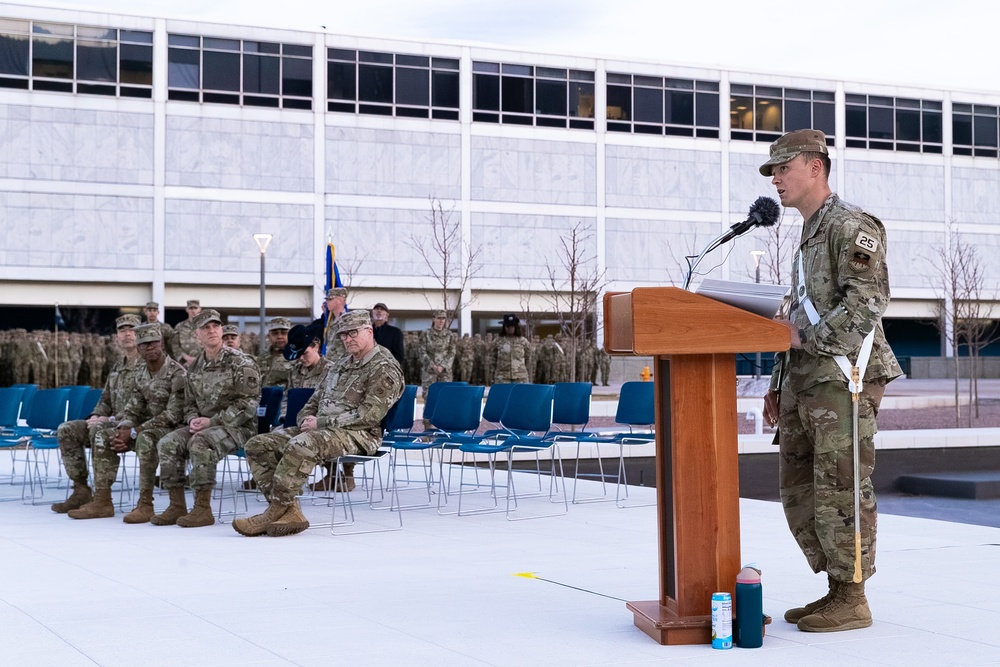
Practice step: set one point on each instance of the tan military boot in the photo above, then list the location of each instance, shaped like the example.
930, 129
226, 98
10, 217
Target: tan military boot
324, 484
848, 610
175, 510
143, 511
347, 479
81, 496
798, 613
290, 523
100, 507
257, 525
201, 514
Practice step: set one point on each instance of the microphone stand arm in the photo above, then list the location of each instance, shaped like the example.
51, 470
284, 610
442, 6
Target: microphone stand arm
726, 236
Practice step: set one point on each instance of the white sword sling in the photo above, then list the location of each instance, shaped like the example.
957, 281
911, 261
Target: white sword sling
854, 374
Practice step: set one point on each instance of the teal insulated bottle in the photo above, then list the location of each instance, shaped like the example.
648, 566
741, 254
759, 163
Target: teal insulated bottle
749, 630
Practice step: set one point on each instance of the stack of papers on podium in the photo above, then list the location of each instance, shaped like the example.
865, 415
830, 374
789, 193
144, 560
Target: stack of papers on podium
757, 298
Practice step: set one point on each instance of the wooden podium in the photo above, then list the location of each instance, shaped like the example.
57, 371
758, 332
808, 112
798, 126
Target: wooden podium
694, 340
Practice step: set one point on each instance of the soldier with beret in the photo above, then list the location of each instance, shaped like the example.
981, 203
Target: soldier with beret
273, 366
437, 352
185, 345
343, 416
98, 429
221, 395
336, 306
840, 291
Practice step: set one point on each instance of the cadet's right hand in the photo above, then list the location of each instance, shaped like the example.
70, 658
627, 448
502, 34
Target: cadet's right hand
771, 405
308, 424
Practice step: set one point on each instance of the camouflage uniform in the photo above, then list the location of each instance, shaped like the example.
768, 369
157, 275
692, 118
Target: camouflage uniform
225, 389
184, 340
489, 360
437, 348
604, 364
465, 359
301, 377
849, 286
350, 402
155, 409
74, 436
334, 346
510, 353
274, 369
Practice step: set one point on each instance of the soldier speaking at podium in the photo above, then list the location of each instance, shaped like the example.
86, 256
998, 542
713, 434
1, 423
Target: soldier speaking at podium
826, 390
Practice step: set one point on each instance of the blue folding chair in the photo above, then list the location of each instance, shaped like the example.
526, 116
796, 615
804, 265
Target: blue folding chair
29, 393
269, 408
49, 409
77, 399
637, 413
297, 398
90, 402
10, 409
457, 414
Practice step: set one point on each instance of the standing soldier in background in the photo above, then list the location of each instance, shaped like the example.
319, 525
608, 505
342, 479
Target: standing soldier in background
560, 361
336, 305
510, 352
98, 429
221, 395
478, 360
185, 342
152, 312
489, 360
437, 352
412, 356
272, 364
231, 336
466, 359
604, 364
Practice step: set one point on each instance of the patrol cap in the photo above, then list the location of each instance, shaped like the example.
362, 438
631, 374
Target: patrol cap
382, 306
510, 320
356, 319
206, 316
127, 321
795, 143
230, 330
152, 304
279, 323
148, 333
193, 303
334, 292
439, 314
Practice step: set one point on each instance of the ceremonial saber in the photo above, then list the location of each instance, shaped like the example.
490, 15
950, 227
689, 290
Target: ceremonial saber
855, 377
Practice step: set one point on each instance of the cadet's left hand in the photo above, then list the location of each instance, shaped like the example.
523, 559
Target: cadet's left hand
794, 331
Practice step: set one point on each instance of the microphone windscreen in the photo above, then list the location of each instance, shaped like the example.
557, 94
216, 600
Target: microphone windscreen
766, 211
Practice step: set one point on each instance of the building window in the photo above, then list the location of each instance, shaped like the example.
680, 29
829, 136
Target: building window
69, 58
234, 71
764, 113
893, 123
658, 105
387, 84
974, 129
528, 95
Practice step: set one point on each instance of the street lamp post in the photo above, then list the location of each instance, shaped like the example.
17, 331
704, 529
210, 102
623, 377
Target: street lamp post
756, 254
262, 240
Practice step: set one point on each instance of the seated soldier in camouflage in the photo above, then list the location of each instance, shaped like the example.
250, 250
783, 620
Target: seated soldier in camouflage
344, 416
98, 429
156, 408
221, 395
273, 366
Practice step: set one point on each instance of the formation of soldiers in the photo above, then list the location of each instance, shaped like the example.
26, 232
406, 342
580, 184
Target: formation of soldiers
474, 360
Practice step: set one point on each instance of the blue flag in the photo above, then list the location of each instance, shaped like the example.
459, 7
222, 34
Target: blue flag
60, 322
332, 280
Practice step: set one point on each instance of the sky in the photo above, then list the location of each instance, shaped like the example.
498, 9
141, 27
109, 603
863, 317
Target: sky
921, 43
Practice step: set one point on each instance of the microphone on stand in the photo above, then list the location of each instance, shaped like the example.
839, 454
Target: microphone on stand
764, 212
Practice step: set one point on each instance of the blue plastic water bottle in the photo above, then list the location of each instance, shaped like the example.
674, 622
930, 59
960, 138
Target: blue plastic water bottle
749, 630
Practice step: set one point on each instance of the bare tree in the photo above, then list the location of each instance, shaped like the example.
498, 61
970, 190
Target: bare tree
575, 283
963, 318
780, 242
451, 260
